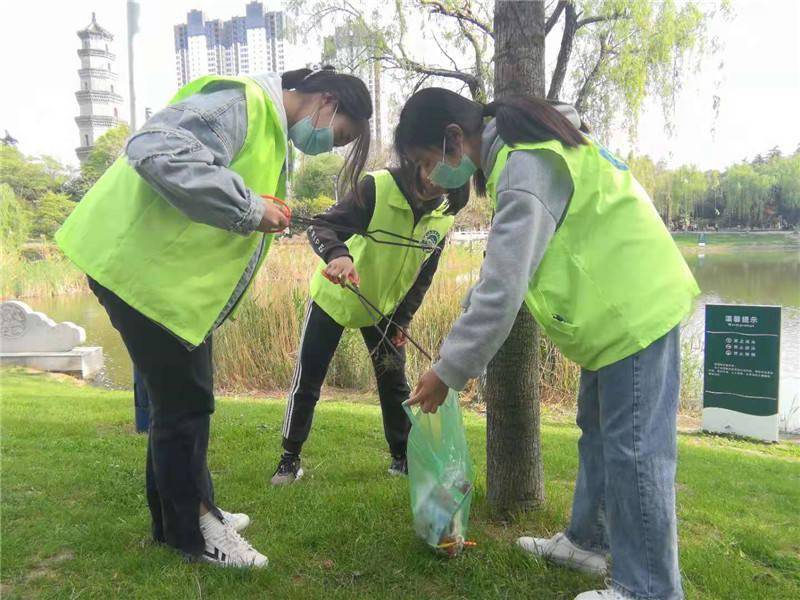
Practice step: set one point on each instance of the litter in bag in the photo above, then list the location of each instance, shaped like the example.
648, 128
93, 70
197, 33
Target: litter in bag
440, 476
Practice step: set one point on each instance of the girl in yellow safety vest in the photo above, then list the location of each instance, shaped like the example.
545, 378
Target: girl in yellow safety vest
577, 239
393, 278
171, 237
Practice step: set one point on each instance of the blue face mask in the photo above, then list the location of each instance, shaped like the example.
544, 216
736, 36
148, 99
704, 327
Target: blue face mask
312, 140
449, 177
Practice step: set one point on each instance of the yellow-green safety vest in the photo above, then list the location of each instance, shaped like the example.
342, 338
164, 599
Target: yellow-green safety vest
175, 271
387, 272
612, 280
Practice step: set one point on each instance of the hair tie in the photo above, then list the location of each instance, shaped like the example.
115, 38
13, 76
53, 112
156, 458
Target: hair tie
315, 71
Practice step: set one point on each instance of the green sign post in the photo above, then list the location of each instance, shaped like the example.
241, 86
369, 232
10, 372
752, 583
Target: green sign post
742, 370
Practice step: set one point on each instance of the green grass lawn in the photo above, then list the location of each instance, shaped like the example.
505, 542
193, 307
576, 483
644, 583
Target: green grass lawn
74, 521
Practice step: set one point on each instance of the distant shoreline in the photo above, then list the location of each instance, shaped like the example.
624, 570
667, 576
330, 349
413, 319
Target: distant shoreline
722, 240
787, 232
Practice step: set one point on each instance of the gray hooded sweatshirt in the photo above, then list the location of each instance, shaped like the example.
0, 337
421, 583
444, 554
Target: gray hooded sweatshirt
533, 193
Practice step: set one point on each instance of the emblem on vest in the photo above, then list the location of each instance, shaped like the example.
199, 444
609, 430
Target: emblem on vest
431, 240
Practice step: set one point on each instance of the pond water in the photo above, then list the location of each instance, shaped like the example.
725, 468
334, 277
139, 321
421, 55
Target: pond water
756, 275
752, 273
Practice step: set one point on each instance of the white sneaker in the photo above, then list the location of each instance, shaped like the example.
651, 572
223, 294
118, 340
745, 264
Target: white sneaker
560, 550
239, 521
609, 594
226, 548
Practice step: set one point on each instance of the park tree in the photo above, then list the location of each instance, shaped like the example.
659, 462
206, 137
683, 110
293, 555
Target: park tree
713, 203
774, 153
785, 174
15, 221
514, 466
106, 150
30, 177
645, 171
317, 176
309, 207
52, 210
688, 190
747, 193
612, 54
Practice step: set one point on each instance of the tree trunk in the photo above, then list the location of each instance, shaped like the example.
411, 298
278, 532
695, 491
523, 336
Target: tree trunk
515, 475
514, 469
519, 47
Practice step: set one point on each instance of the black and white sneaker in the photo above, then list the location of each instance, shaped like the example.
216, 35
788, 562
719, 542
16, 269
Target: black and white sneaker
288, 471
226, 548
239, 521
399, 466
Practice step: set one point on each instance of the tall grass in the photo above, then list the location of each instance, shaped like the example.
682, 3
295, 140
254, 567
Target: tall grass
46, 272
258, 350
691, 370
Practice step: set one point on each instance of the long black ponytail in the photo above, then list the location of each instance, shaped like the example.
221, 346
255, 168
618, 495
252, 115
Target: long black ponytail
354, 101
530, 119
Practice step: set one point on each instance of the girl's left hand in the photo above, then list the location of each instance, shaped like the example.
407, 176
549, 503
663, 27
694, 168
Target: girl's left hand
430, 392
341, 270
399, 339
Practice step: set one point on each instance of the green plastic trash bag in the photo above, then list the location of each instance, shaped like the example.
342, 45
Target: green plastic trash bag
440, 476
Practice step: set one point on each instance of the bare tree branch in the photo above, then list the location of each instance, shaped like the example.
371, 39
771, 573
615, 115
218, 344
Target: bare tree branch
564, 52
403, 62
394, 55
443, 51
600, 19
553, 18
419, 83
586, 87
464, 13
479, 93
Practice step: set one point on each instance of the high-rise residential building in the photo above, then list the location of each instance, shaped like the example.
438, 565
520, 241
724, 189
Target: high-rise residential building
253, 43
349, 50
98, 98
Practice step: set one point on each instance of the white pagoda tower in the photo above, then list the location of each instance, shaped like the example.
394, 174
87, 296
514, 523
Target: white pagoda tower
100, 103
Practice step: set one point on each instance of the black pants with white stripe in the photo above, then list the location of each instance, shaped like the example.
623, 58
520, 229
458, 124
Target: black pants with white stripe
318, 342
180, 385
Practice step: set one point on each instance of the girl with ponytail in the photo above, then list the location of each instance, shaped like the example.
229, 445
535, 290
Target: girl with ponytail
577, 239
172, 236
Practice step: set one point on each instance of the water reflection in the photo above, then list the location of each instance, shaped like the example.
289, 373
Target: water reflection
750, 276
84, 310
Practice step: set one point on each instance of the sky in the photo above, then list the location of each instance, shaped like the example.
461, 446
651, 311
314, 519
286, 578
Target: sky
759, 83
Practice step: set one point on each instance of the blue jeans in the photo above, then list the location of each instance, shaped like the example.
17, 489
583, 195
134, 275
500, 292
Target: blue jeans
625, 491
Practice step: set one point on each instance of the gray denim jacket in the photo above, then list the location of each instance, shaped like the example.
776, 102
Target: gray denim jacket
184, 151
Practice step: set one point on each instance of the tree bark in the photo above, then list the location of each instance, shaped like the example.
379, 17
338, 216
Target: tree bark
514, 467
519, 47
515, 474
